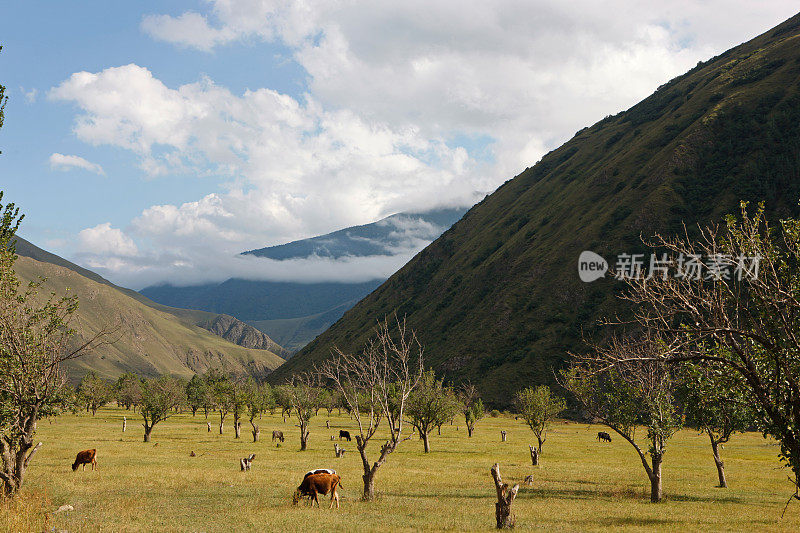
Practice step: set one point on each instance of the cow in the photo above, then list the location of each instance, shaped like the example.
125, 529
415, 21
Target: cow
320, 471
603, 436
344, 434
320, 483
85, 457
277, 435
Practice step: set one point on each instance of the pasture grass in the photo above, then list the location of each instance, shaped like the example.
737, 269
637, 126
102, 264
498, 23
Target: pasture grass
581, 485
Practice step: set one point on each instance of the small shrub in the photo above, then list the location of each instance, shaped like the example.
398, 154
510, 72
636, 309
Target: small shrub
494, 413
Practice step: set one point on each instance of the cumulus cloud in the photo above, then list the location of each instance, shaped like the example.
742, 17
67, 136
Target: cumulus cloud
68, 162
103, 240
394, 89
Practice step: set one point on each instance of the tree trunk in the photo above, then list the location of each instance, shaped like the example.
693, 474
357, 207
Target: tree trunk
124, 423
655, 480
303, 439
208, 424
147, 430
541, 442
723, 483
256, 433
469, 431
424, 438
237, 429
505, 498
369, 486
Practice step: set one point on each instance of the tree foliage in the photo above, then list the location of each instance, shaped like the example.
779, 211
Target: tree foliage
160, 396
431, 404
94, 392
35, 339
538, 407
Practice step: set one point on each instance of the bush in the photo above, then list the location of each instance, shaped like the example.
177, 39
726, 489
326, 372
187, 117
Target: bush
495, 413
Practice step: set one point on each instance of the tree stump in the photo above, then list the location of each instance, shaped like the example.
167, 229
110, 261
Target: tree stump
503, 436
505, 498
529, 479
338, 451
124, 423
246, 462
534, 455
209, 426
328, 424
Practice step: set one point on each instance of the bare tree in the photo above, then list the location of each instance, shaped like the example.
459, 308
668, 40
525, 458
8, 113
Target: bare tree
374, 386
304, 397
742, 315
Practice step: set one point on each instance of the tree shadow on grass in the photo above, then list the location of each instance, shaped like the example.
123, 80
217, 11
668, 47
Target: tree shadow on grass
618, 493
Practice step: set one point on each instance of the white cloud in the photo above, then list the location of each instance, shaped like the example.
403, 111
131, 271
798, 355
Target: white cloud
390, 86
103, 240
68, 162
30, 95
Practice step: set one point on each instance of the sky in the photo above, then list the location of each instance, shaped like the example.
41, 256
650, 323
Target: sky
154, 141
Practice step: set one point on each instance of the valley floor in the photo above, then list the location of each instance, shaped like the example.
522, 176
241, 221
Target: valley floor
581, 485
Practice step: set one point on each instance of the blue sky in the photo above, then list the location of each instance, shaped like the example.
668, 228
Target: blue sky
152, 141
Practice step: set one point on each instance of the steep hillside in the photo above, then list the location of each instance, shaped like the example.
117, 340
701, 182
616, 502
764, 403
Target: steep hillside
234, 331
497, 298
150, 341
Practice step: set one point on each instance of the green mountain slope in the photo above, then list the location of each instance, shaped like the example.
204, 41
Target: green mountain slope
497, 298
150, 341
225, 326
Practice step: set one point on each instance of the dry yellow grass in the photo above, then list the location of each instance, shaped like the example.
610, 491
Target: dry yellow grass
581, 485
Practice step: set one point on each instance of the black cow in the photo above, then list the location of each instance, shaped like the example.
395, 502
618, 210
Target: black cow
603, 436
344, 434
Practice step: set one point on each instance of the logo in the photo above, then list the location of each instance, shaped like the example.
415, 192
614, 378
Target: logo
591, 266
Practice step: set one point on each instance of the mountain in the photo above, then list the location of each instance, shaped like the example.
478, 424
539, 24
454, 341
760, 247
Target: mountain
294, 313
383, 237
497, 299
233, 330
149, 341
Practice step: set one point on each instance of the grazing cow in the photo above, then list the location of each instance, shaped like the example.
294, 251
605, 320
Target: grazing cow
320, 471
85, 457
320, 483
603, 436
277, 435
344, 434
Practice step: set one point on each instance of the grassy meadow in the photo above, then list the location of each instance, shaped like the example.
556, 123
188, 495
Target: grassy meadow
581, 485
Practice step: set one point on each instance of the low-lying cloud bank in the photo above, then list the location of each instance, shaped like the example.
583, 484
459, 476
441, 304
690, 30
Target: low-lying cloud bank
142, 271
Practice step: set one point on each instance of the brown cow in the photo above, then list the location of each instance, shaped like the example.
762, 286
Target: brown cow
318, 484
85, 457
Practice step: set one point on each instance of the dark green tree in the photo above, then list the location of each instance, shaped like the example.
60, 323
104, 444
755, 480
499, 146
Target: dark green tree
430, 405
160, 397
95, 392
128, 390
196, 393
